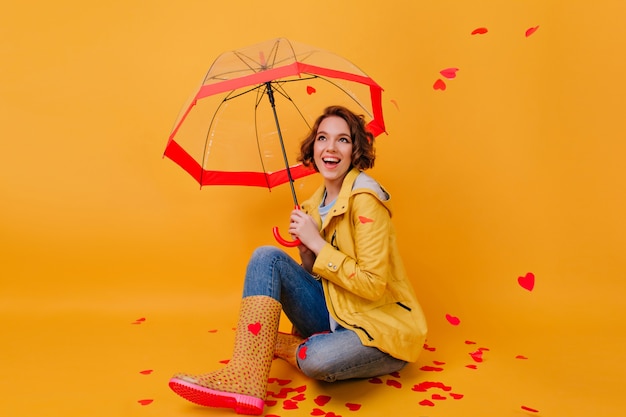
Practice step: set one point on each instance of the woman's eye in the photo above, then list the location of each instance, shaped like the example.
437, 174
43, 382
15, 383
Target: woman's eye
346, 140
321, 137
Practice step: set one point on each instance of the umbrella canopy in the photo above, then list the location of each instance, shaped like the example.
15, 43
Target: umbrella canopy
244, 123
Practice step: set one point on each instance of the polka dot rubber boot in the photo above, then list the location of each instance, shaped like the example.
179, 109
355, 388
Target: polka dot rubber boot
242, 383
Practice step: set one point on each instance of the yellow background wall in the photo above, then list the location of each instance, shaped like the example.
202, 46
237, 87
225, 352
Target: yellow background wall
516, 167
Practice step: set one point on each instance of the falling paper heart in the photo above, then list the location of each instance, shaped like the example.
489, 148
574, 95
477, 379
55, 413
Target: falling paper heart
146, 372
469, 342
213, 331
455, 321
477, 356
471, 366
321, 400
353, 407
527, 282
479, 31
530, 31
449, 73
310, 90
254, 328
139, 321
145, 402
521, 357
439, 85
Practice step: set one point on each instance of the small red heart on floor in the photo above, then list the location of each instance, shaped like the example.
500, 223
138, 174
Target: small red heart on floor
318, 412
439, 85
527, 282
469, 342
353, 407
302, 352
301, 388
438, 397
455, 321
479, 31
532, 30
394, 383
375, 381
430, 349
471, 366
532, 410
290, 405
521, 357
427, 403
213, 331
395, 374
456, 396
146, 372
254, 328
439, 363
449, 73
429, 368
145, 402
310, 90
299, 397
321, 400
282, 382
331, 414
139, 321
270, 403
225, 361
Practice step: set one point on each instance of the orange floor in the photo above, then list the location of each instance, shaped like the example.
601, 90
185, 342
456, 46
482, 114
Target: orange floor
71, 358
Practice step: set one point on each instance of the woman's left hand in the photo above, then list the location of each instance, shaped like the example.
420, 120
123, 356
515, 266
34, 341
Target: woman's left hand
305, 228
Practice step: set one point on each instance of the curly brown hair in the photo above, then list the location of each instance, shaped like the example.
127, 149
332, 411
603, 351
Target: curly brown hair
363, 151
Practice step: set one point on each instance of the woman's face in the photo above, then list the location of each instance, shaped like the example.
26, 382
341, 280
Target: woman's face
332, 149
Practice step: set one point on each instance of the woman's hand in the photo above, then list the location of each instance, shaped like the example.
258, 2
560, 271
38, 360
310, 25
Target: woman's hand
305, 228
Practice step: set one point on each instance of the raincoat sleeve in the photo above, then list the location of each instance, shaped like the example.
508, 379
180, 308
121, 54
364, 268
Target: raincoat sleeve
356, 259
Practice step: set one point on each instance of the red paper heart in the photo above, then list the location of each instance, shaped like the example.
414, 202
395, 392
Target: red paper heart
299, 397
438, 397
479, 31
477, 356
270, 403
146, 372
353, 407
282, 382
429, 368
455, 321
449, 73
375, 381
254, 328
431, 349
225, 361
469, 342
290, 405
532, 30
439, 85
331, 414
456, 396
300, 388
310, 90
395, 374
439, 363
318, 412
302, 352
532, 410
527, 281
521, 357
321, 400
471, 366
213, 331
145, 402
427, 403
394, 383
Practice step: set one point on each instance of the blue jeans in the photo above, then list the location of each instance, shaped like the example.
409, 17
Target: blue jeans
330, 356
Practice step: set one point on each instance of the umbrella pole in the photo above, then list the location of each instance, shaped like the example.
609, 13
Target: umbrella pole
270, 95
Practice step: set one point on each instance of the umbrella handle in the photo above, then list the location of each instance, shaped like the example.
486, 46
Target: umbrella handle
282, 241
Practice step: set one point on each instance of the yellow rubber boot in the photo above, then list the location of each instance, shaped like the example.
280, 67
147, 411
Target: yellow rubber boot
242, 383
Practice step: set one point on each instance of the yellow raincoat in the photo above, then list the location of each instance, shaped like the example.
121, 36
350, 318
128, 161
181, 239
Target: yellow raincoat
365, 283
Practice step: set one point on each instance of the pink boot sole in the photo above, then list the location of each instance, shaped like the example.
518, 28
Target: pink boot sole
242, 404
